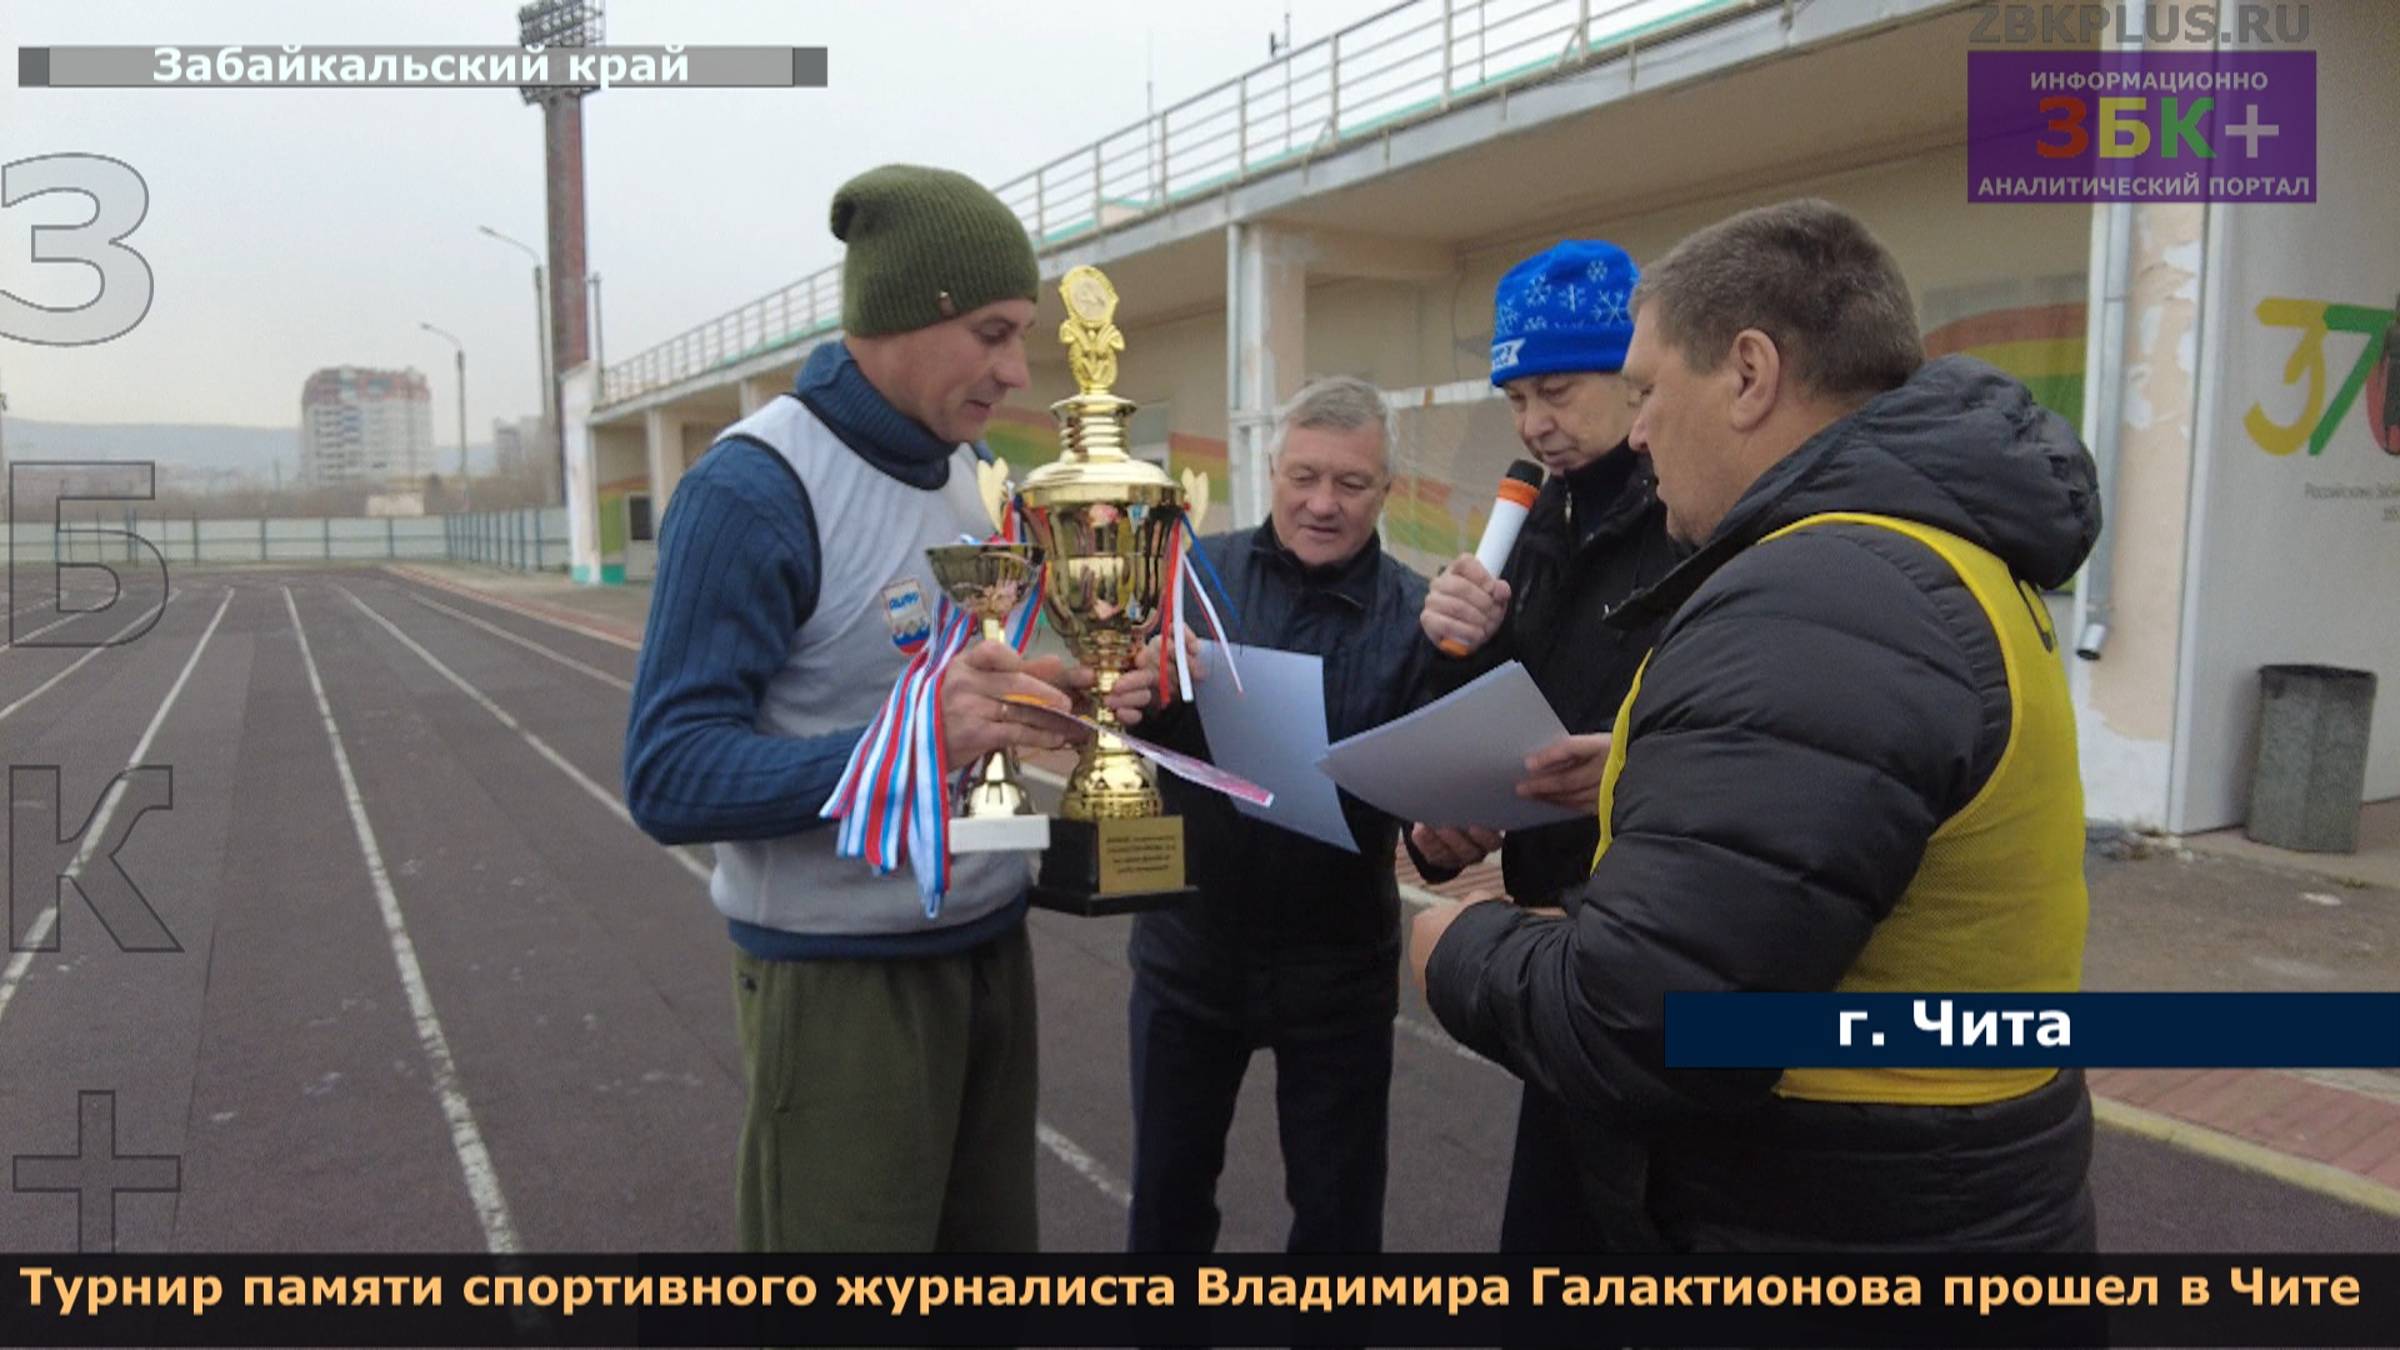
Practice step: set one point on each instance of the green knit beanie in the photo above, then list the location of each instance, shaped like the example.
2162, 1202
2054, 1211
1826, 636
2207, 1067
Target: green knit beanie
926, 245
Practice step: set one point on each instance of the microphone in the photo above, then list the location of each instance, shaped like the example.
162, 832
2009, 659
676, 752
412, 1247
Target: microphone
1518, 487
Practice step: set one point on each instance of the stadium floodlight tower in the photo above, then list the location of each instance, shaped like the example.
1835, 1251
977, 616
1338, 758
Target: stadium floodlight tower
554, 25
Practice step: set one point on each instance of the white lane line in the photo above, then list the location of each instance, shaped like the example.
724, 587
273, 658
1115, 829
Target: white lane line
474, 1160
42, 601
694, 855
71, 617
1083, 1164
527, 643
487, 598
1060, 1146
612, 801
96, 829
46, 685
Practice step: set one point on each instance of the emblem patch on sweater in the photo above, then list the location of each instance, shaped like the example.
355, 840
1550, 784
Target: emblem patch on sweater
904, 609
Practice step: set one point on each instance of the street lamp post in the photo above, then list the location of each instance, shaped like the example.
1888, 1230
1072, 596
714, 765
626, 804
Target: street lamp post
542, 351
465, 495
599, 347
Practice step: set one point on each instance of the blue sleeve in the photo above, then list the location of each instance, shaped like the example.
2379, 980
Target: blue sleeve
738, 567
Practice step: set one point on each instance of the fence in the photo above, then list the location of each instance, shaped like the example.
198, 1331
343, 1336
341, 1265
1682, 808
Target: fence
1415, 60
531, 539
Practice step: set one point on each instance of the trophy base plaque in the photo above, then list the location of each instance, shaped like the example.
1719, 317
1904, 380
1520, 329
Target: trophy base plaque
1096, 868
999, 834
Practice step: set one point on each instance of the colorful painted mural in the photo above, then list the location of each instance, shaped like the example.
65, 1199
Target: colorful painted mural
1421, 517
612, 514
1451, 453
2318, 420
1026, 437
1449, 456
2040, 344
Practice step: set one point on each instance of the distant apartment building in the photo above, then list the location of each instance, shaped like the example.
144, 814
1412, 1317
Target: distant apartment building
366, 426
517, 444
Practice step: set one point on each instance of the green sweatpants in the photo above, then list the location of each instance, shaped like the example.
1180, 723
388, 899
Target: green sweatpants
891, 1102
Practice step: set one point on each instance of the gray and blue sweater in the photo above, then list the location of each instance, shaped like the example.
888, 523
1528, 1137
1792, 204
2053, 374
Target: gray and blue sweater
784, 551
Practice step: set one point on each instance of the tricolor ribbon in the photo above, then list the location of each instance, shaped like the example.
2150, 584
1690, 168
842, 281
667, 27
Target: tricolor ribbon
892, 799
1182, 578
1016, 528
1020, 627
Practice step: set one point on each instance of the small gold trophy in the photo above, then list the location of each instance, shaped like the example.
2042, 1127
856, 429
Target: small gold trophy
989, 581
1104, 520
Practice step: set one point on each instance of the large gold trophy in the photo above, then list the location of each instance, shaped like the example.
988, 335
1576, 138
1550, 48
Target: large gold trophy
1104, 521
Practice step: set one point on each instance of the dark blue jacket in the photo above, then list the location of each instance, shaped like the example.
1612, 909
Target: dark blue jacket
1288, 931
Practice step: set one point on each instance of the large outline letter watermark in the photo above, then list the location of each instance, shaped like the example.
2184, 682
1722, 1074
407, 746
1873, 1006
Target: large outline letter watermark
120, 200
43, 865
95, 1173
131, 481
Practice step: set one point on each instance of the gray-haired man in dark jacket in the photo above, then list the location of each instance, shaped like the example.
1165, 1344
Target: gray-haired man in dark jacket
1293, 945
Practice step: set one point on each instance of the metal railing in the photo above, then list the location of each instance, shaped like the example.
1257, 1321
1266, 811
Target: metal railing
1415, 60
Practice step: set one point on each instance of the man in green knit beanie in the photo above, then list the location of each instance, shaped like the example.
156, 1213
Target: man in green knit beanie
890, 1054
935, 262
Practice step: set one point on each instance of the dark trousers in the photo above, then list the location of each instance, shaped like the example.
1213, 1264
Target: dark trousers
891, 1102
1573, 1187
1332, 1109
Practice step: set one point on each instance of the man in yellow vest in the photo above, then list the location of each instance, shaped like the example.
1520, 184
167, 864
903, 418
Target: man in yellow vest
1848, 765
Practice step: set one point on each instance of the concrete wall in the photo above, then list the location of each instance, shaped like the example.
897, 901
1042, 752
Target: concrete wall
2297, 505
1965, 261
1960, 258
1977, 271
2125, 701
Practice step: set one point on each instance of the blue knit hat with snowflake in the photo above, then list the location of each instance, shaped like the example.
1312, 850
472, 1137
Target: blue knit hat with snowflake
1569, 308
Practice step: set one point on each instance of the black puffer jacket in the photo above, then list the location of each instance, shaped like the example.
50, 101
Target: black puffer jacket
1814, 709
1594, 538
1287, 931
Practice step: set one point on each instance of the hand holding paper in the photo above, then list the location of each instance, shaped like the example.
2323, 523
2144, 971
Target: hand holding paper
1568, 772
1458, 761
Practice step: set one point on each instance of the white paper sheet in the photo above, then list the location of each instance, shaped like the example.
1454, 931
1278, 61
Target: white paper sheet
1456, 761
1272, 732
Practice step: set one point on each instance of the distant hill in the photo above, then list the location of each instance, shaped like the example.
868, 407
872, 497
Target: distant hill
253, 451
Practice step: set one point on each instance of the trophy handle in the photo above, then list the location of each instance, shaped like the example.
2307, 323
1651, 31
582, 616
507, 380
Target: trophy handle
991, 481
1195, 497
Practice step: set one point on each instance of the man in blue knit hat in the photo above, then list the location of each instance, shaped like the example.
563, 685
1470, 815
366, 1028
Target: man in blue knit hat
890, 1055
1595, 536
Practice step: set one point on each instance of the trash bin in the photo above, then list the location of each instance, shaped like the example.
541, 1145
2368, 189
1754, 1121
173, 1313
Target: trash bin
2312, 757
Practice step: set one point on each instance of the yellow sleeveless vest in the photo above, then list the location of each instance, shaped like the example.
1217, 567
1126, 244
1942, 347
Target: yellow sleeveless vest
1998, 904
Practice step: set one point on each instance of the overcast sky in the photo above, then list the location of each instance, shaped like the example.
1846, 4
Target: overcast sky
293, 229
